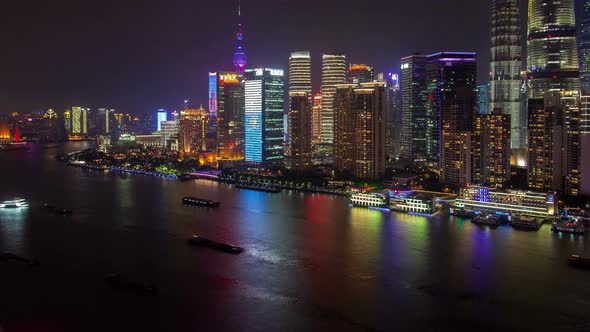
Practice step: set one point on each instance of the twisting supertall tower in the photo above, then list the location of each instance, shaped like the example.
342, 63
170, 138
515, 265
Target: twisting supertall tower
240, 58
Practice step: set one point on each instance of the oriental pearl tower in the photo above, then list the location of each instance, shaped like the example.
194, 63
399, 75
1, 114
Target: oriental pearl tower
240, 59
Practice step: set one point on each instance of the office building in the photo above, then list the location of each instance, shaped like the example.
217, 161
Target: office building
584, 48
552, 55
79, 120
168, 129
483, 98
68, 121
161, 115
316, 118
393, 117
359, 73
333, 73
491, 149
213, 77
585, 145
554, 143
300, 130
299, 81
451, 87
359, 125
230, 106
505, 67
193, 126
264, 107
414, 122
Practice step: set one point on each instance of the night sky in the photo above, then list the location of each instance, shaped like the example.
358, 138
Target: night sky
140, 56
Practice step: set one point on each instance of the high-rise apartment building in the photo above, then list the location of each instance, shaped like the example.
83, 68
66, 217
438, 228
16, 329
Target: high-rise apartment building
552, 55
300, 130
264, 105
506, 66
299, 81
584, 48
230, 106
359, 125
414, 122
316, 119
360, 73
491, 149
585, 145
554, 143
450, 109
193, 124
333, 73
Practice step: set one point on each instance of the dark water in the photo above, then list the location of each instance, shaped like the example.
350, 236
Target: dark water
311, 262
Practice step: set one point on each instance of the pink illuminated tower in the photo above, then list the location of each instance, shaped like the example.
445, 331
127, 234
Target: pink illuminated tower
240, 59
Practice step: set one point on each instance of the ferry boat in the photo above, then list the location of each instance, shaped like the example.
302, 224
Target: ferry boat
490, 219
579, 261
199, 202
13, 204
568, 226
525, 223
369, 200
259, 188
461, 212
204, 242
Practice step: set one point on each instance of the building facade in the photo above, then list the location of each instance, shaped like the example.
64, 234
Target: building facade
359, 73
168, 130
300, 124
359, 124
506, 66
491, 149
264, 105
414, 121
451, 87
193, 127
230, 115
584, 48
316, 119
552, 55
333, 73
161, 115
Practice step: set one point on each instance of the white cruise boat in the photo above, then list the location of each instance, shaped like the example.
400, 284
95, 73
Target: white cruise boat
13, 204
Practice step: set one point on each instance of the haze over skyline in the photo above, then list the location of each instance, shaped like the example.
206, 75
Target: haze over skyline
140, 56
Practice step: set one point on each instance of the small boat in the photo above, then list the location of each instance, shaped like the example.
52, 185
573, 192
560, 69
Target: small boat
489, 219
525, 223
579, 261
49, 206
7, 256
119, 282
267, 189
199, 202
204, 242
568, 226
64, 212
15, 203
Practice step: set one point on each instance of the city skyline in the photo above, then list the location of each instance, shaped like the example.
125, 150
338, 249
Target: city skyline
171, 70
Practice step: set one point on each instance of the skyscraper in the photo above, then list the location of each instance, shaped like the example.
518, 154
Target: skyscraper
316, 118
491, 149
168, 130
584, 48
333, 73
300, 72
359, 125
413, 124
359, 73
300, 130
393, 116
505, 67
79, 120
194, 124
68, 121
230, 105
240, 59
451, 86
483, 98
161, 115
264, 91
585, 145
213, 77
552, 57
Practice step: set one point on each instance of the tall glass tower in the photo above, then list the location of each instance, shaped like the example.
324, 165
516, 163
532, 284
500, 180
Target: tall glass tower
506, 79
552, 56
584, 44
333, 73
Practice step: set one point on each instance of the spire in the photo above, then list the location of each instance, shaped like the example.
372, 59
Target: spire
240, 58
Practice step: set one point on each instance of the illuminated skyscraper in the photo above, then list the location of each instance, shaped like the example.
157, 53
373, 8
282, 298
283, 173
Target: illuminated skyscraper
552, 56
316, 119
451, 86
300, 72
264, 107
333, 73
194, 124
483, 98
584, 48
230, 105
213, 95
505, 68
240, 59
491, 149
168, 130
414, 122
585, 145
161, 115
359, 147
300, 130
393, 116
360, 73
68, 121
79, 120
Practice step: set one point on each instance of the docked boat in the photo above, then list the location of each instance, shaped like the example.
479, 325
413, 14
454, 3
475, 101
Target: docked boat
204, 242
119, 282
579, 261
525, 223
199, 202
369, 199
15, 203
10, 257
489, 219
267, 189
568, 226
462, 213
